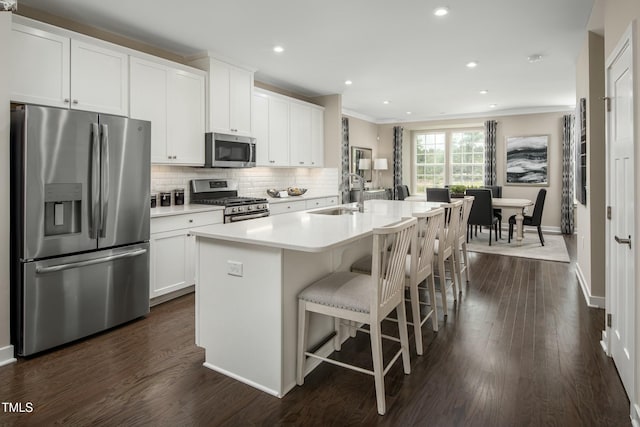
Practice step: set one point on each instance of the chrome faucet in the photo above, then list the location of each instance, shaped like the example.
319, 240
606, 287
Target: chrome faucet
360, 198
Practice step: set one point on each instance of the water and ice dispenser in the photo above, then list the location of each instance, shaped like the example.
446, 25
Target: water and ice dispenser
62, 209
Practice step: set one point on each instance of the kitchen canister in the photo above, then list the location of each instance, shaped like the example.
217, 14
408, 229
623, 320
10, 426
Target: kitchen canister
178, 196
165, 199
154, 200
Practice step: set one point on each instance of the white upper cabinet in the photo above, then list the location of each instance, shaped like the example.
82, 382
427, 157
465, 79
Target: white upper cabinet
148, 101
300, 134
278, 132
186, 109
173, 99
260, 127
99, 79
230, 96
39, 67
317, 137
57, 70
288, 132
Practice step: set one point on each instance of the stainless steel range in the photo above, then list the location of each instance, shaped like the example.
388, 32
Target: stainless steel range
224, 192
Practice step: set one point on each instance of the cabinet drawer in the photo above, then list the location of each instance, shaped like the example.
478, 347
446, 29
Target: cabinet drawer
331, 201
185, 221
315, 203
279, 208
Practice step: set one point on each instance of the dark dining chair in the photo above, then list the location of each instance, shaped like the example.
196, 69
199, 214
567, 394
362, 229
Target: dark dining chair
402, 192
496, 191
482, 211
438, 195
534, 220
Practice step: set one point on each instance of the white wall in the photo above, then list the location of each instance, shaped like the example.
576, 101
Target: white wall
252, 182
590, 264
6, 351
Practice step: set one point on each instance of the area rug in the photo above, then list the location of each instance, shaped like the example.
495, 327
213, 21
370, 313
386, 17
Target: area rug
554, 248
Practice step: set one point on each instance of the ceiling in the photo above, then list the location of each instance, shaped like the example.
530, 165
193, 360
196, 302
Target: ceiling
391, 50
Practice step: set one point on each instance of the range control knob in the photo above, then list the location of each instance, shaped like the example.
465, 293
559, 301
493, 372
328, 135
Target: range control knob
233, 209
250, 208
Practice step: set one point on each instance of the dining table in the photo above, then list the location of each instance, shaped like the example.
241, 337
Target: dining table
519, 205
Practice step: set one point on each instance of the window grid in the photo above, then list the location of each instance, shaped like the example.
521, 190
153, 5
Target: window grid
448, 157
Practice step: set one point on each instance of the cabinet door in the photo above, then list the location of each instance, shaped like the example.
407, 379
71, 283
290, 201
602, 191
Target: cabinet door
278, 132
148, 101
260, 126
170, 267
186, 118
300, 135
240, 99
317, 137
39, 67
99, 79
219, 87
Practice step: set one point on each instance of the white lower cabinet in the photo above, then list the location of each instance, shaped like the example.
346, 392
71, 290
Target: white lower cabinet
301, 205
286, 207
173, 250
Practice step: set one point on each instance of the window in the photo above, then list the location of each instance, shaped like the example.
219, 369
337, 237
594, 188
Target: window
448, 157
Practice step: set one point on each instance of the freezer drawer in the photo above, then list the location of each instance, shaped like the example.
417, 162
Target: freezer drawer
68, 298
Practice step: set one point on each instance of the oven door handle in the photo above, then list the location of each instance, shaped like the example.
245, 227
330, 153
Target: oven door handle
250, 216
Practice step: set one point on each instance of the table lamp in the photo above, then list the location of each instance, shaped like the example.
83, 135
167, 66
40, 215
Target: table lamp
380, 165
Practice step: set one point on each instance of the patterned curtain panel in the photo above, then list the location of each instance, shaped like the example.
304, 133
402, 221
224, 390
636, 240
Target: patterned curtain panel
566, 210
490, 152
397, 158
345, 161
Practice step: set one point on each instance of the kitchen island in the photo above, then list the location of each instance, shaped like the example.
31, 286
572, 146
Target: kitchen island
248, 276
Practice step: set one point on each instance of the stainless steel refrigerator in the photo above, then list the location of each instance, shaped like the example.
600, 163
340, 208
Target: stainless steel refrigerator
80, 224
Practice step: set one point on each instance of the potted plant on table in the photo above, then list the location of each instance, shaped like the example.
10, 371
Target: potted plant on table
457, 191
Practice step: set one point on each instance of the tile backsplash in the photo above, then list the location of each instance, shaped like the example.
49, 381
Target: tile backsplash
252, 182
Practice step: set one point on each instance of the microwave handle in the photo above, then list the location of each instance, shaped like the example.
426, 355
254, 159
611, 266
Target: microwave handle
251, 147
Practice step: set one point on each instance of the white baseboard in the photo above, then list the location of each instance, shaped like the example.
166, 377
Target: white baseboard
635, 415
592, 301
242, 379
7, 355
604, 342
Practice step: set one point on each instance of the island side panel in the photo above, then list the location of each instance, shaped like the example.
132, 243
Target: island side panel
240, 318
300, 270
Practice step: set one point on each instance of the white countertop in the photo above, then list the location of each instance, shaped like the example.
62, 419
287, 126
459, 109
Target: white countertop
304, 197
182, 209
309, 232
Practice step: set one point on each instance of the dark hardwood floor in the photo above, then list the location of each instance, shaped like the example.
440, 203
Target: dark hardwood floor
521, 348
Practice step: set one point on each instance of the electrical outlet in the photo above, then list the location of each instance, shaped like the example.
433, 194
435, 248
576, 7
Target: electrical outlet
234, 268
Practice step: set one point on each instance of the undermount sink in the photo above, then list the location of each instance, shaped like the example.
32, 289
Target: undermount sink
335, 211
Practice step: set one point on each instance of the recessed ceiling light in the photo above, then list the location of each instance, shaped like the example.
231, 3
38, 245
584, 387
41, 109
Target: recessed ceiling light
534, 58
484, 92
386, 102
472, 64
441, 11
348, 82
408, 113
278, 49
493, 105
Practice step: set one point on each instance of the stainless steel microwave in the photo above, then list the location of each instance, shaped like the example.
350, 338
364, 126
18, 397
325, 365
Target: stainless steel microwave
229, 151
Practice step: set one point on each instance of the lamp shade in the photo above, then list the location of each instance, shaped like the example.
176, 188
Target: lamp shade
380, 164
364, 164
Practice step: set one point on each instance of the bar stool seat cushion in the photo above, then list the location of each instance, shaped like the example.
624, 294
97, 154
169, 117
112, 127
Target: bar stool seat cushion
344, 290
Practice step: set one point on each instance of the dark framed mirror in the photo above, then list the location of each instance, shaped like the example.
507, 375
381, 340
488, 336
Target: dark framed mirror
362, 162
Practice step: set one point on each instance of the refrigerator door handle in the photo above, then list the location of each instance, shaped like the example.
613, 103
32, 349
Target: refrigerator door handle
95, 182
104, 179
70, 265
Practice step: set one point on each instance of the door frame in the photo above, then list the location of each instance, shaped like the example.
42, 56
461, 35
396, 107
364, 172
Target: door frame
625, 41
